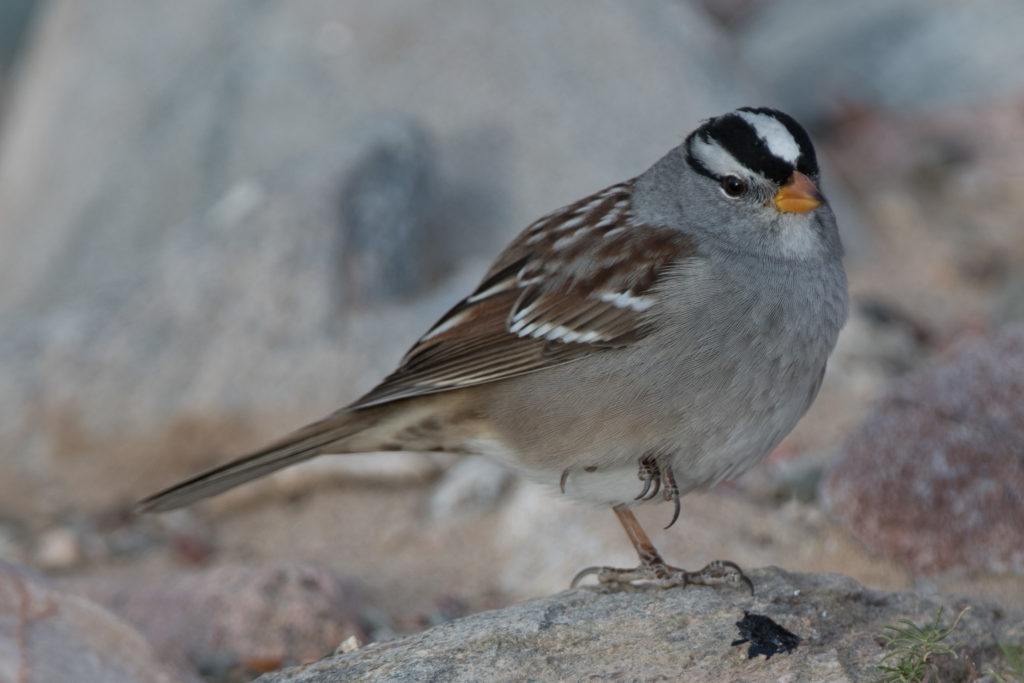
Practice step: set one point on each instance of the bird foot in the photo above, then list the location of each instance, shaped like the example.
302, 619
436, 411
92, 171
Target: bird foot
664, 575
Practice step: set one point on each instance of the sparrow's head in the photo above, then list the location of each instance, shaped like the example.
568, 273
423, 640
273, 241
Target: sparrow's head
749, 180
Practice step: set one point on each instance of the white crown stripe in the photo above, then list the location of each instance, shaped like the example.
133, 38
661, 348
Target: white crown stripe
775, 135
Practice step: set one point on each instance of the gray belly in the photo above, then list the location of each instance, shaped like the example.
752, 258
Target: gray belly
715, 388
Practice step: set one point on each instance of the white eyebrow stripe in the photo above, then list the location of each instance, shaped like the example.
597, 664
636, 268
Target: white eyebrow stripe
776, 136
716, 159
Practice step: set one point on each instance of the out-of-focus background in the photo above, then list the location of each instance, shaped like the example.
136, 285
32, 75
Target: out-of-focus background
219, 221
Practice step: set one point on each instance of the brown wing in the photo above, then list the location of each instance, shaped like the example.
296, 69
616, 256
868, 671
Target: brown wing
573, 283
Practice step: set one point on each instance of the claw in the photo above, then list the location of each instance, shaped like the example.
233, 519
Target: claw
657, 486
647, 486
722, 571
671, 491
675, 513
584, 572
648, 473
565, 477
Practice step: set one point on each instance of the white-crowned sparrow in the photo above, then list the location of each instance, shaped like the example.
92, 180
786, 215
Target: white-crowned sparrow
676, 325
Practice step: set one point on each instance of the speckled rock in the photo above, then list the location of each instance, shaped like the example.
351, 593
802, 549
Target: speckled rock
935, 475
649, 634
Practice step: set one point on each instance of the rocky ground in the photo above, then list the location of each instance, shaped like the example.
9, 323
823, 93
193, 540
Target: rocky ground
209, 209
828, 634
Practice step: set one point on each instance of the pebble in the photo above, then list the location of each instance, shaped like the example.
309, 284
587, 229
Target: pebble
58, 548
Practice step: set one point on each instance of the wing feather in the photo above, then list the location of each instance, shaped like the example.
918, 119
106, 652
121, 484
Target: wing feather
574, 283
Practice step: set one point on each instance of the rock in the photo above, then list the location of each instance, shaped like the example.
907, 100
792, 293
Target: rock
934, 476
902, 55
15, 22
652, 634
386, 207
13, 539
942, 192
1009, 304
57, 548
48, 635
253, 618
182, 185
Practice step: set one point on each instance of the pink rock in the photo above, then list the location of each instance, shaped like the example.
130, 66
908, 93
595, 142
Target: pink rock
935, 475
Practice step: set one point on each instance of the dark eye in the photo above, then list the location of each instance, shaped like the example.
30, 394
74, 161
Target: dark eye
733, 186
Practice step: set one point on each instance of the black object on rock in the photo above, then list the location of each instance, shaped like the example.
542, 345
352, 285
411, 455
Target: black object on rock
765, 636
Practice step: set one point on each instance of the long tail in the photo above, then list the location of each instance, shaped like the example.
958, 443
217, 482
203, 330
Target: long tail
302, 444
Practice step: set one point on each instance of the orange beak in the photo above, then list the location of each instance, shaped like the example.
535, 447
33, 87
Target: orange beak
799, 195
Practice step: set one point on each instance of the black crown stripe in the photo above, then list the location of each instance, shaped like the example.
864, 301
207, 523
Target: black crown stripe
742, 141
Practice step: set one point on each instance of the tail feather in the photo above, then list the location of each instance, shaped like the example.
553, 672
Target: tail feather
302, 444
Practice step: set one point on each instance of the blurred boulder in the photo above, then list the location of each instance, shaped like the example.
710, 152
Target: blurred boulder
48, 635
183, 186
1009, 304
234, 617
16, 21
904, 55
386, 209
15, 24
934, 477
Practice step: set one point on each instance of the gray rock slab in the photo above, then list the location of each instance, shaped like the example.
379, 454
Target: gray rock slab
648, 634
